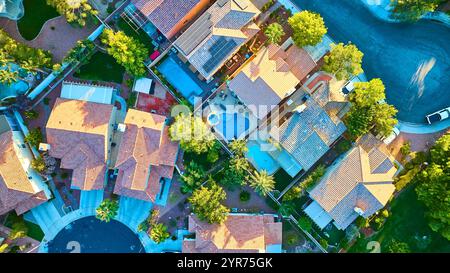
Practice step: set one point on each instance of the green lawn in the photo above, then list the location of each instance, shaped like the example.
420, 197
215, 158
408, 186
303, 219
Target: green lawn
34, 231
282, 179
140, 35
37, 12
407, 223
101, 67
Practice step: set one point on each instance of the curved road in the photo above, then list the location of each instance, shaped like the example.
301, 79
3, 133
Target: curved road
413, 60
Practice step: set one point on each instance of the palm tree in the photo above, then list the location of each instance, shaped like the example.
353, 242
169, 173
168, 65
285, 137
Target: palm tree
262, 182
238, 147
107, 210
159, 233
274, 33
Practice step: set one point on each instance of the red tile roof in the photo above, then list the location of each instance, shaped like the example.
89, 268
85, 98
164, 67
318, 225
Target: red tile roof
239, 233
146, 155
16, 190
78, 133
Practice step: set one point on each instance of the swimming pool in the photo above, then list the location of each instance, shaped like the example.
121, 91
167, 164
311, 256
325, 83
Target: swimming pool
260, 159
230, 125
17, 88
179, 79
94, 236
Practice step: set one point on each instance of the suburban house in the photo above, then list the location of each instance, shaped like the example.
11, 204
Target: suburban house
216, 35
146, 159
359, 184
240, 233
80, 135
275, 74
21, 188
169, 16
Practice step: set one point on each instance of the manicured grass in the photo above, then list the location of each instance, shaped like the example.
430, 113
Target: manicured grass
282, 179
37, 12
140, 35
101, 67
407, 223
290, 236
34, 231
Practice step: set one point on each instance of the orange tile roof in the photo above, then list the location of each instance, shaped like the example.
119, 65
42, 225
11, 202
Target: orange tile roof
239, 233
77, 132
16, 190
146, 155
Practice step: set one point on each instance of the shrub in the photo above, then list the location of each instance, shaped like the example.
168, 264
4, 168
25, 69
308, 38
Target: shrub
305, 223
244, 196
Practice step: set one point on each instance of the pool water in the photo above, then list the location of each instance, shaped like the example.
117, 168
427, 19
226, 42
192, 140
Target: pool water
233, 125
90, 235
261, 159
17, 88
179, 79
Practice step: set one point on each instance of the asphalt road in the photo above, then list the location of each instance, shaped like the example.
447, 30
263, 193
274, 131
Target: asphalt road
413, 60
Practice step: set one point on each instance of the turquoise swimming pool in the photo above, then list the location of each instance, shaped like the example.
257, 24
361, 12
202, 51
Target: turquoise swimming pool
261, 159
17, 88
179, 79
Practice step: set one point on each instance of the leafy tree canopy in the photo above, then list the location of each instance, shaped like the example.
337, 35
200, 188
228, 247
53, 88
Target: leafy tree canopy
412, 10
75, 11
274, 33
207, 203
344, 61
308, 28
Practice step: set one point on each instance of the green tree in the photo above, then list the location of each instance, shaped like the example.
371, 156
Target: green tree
398, 247
206, 203
308, 28
107, 210
34, 137
344, 61
194, 135
274, 33
128, 52
31, 114
238, 147
307, 183
193, 177
8, 77
19, 230
433, 187
262, 182
305, 223
369, 110
79, 11
38, 164
412, 10
80, 52
31, 59
235, 172
159, 233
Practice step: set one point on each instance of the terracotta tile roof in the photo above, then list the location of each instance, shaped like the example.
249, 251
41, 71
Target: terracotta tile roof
300, 62
353, 183
16, 190
239, 233
266, 80
78, 133
146, 155
166, 14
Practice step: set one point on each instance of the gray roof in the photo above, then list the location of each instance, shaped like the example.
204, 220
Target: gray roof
362, 179
207, 49
308, 135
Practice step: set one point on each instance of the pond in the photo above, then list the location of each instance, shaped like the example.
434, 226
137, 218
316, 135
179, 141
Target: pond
413, 60
90, 235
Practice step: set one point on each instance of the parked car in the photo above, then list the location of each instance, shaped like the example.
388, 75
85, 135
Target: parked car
439, 115
392, 136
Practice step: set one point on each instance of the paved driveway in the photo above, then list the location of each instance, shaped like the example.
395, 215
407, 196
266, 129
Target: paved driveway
400, 54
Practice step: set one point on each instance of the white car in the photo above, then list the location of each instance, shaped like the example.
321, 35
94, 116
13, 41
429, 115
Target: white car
439, 115
392, 136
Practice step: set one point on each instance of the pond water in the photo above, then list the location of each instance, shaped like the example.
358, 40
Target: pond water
413, 60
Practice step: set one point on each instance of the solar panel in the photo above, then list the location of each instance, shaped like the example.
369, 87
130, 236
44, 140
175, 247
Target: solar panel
199, 30
219, 51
